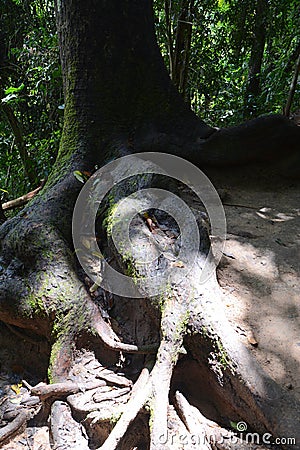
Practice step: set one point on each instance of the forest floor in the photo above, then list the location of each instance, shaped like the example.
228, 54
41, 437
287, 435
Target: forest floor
260, 272
259, 277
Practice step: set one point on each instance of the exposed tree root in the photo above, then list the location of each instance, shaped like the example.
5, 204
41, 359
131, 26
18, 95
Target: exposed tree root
209, 433
112, 341
99, 391
137, 400
59, 390
193, 426
66, 433
17, 425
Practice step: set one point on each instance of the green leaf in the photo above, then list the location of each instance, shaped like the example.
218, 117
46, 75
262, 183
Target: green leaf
13, 90
79, 176
233, 425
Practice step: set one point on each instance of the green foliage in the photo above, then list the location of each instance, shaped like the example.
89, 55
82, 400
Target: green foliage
222, 39
220, 49
31, 84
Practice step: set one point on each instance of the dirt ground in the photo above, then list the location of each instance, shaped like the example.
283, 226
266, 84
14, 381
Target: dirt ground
259, 272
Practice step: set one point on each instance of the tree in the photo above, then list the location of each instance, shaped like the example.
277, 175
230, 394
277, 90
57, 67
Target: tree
119, 100
180, 52
31, 93
255, 63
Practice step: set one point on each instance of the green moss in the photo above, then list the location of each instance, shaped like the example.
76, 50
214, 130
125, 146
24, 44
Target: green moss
110, 219
115, 417
131, 269
221, 354
70, 136
161, 300
182, 324
56, 347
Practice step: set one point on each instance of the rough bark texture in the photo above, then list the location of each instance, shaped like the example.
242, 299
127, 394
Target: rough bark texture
113, 362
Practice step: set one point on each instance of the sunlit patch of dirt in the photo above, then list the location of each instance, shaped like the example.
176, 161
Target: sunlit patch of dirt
259, 275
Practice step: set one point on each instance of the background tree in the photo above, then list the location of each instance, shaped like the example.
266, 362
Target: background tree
256, 57
31, 94
221, 47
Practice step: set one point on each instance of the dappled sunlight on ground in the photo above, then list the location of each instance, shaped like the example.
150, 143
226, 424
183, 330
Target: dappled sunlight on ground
259, 275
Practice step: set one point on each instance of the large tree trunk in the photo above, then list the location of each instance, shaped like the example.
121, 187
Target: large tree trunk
120, 100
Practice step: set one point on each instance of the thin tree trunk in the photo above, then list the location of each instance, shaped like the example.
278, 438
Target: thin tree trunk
27, 162
170, 41
292, 90
2, 215
293, 57
256, 59
182, 49
238, 34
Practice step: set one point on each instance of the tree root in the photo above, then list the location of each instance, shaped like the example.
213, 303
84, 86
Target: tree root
112, 341
190, 314
15, 426
209, 434
60, 390
66, 433
138, 398
193, 426
154, 388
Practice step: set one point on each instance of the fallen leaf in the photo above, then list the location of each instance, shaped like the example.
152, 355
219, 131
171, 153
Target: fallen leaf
178, 264
16, 388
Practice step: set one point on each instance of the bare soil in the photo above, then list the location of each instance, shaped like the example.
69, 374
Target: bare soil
259, 273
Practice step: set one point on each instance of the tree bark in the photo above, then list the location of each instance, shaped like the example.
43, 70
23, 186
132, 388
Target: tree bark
182, 49
292, 88
120, 101
256, 58
2, 215
27, 162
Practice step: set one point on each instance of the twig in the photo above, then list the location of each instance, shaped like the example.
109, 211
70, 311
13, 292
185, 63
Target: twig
29, 387
20, 201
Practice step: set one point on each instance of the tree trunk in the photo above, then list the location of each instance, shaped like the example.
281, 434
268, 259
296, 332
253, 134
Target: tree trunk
292, 90
2, 215
182, 49
112, 358
256, 58
27, 162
